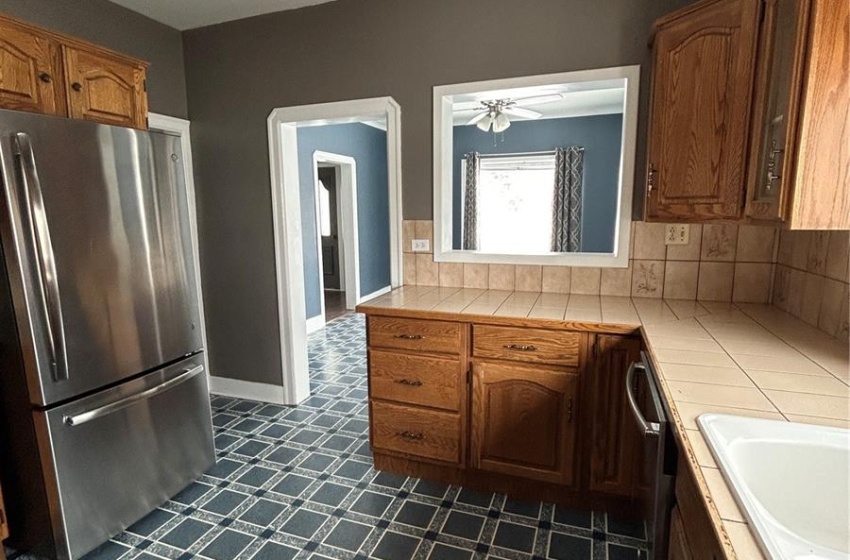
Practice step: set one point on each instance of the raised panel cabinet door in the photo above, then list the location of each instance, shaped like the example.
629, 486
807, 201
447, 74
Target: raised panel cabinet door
105, 89
524, 421
615, 440
702, 87
30, 71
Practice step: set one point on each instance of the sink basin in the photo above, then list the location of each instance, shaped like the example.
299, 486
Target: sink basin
791, 480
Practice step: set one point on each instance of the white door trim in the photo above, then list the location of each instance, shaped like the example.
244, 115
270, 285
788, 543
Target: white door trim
348, 226
181, 127
286, 214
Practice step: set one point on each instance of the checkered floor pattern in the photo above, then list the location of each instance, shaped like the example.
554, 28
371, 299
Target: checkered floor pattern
297, 483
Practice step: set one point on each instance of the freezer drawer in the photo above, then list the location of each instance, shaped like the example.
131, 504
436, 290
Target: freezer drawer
118, 454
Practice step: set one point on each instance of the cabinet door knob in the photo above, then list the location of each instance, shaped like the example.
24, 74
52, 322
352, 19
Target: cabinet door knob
409, 382
77, 86
412, 436
650, 179
45, 77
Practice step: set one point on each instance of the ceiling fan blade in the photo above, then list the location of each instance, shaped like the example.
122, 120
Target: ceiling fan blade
522, 113
537, 100
477, 118
466, 106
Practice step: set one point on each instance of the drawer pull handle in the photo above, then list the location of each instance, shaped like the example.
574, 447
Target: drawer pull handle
412, 436
410, 336
521, 347
409, 382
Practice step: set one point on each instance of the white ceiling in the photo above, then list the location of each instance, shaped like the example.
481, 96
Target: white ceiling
188, 14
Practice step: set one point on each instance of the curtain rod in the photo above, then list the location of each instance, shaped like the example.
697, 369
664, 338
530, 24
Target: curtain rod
516, 154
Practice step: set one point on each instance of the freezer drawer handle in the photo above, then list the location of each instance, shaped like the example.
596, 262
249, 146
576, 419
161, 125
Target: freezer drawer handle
648, 428
89, 415
45, 262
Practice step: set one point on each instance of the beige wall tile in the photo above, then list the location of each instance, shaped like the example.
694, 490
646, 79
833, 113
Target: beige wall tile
585, 280
752, 283
424, 229
451, 275
837, 255
800, 242
786, 247
818, 246
529, 278
557, 279
502, 276
409, 269
715, 281
756, 243
811, 299
647, 279
616, 282
781, 286
408, 228
475, 275
719, 242
689, 252
649, 241
796, 287
427, 271
844, 319
680, 280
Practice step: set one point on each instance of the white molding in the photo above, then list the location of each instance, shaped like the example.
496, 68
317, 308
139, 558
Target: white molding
182, 128
442, 146
316, 323
348, 229
289, 266
251, 390
375, 294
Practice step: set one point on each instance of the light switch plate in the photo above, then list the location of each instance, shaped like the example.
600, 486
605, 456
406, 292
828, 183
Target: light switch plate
420, 245
677, 234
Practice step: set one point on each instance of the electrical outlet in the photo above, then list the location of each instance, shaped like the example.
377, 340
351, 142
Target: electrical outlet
420, 245
677, 234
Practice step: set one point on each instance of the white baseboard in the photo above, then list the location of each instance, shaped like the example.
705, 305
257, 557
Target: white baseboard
316, 323
250, 390
375, 294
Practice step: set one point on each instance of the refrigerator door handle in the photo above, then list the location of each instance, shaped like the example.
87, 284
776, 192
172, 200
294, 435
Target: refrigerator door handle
45, 261
95, 413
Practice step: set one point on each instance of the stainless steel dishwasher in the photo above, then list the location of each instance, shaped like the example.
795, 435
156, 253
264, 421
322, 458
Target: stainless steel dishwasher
658, 455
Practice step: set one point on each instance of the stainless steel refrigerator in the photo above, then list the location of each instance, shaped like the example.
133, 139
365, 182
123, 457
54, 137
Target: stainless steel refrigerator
104, 405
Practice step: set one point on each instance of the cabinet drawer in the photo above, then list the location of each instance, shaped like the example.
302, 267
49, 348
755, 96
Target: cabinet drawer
527, 345
416, 431
415, 334
409, 378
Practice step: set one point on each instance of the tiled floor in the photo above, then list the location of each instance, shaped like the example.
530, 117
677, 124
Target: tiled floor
296, 483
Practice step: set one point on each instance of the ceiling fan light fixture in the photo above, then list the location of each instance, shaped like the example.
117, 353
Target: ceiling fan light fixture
484, 124
501, 122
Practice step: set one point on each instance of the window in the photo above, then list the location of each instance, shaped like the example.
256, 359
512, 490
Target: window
515, 197
324, 210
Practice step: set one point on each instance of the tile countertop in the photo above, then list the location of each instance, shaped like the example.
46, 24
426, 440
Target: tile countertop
743, 359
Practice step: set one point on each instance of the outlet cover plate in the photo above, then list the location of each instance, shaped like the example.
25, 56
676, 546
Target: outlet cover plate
677, 234
420, 245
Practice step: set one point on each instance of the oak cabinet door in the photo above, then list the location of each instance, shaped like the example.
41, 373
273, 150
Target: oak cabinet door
523, 421
615, 440
700, 111
30, 71
105, 89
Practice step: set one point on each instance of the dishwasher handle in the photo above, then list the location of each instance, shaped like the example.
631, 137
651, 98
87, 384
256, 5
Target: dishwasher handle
647, 428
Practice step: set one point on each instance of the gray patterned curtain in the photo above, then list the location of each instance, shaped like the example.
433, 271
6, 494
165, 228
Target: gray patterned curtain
566, 211
470, 202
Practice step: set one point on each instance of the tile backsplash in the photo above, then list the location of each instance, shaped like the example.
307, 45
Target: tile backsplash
720, 263
805, 273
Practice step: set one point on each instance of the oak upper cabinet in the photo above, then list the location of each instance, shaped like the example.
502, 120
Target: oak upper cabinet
45, 72
615, 441
105, 89
523, 420
704, 61
799, 162
30, 71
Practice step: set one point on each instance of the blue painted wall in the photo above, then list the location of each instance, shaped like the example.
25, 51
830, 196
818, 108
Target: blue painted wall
600, 135
368, 147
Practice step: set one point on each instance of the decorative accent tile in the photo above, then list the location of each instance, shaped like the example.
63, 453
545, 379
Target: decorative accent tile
719, 242
647, 279
816, 262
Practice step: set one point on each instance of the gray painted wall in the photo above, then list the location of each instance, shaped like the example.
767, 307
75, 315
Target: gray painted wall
238, 72
368, 147
600, 136
122, 30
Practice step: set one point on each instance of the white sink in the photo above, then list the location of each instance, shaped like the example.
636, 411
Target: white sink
791, 480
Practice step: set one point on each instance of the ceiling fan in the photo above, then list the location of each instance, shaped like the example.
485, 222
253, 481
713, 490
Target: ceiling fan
496, 113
